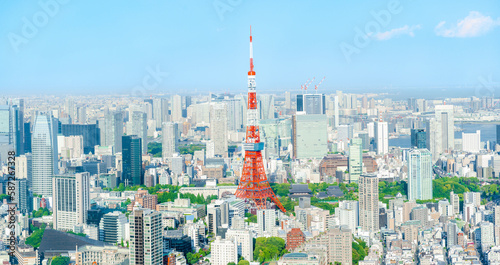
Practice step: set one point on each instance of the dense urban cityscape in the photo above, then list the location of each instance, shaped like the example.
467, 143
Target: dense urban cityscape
312, 174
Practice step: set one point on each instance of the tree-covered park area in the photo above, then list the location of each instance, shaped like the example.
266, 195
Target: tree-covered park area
268, 249
154, 148
388, 190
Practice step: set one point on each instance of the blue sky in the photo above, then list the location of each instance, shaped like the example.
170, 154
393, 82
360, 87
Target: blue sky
105, 47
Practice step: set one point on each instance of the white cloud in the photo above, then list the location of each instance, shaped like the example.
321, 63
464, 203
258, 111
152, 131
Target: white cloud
473, 25
405, 30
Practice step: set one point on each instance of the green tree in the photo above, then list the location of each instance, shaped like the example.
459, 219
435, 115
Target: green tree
359, 250
154, 148
269, 249
251, 218
4, 196
36, 237
59, 260
40, 212
78, 234
244, 262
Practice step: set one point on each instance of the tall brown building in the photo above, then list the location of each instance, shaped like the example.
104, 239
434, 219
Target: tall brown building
294, 238
368, 203
340, 245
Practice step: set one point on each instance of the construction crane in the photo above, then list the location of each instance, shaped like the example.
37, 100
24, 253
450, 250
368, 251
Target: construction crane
309, 83
316, 86
304, 86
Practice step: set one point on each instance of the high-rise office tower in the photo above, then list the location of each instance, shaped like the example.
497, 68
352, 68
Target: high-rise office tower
340, 245
336, 109
266, 221
418, 138
487, 236
311, 103
18, 104
433, 138
471, 142
276, 133
310, 136
234, 114
112, 227
24, 167
89, 132
218, 128
170, 139
160, 111
266, 106
472, 198
147, 108
44, 147
132, 160
455, 203
452, 232
419, 174
82, 115
112, 130
146, 238
348, 214
70, 108
496, 212
412, 104
27, 137
22, 196
10, 138
420, 102
138, 125
368, 203
244, 241
345, 132
71, 200
355, 160
288, 100
498, 133
382, 137
445, 126
177, 108
364, 102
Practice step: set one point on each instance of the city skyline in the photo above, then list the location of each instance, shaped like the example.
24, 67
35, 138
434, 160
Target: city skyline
367, 133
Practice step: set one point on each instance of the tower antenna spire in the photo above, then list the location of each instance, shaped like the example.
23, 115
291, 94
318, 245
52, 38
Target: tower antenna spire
251, 53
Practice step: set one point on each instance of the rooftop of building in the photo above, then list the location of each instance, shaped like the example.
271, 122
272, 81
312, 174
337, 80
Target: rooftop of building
57, 242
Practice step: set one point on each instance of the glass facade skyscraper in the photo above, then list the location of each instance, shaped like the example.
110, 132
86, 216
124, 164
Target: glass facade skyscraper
310, 139
89, 132
132, 160
44, 156
418, 138
419, 174
355, 160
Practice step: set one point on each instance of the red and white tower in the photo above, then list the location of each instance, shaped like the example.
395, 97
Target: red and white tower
253, 183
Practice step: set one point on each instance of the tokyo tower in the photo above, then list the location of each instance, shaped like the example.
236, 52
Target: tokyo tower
253, 183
